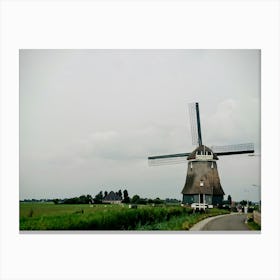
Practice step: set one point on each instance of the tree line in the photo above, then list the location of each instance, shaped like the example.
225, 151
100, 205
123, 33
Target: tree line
123, 195
88, 199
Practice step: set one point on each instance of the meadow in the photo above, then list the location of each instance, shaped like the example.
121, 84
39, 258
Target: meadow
48, 216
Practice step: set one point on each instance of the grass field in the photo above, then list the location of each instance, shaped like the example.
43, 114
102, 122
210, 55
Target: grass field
47, 216
251, 224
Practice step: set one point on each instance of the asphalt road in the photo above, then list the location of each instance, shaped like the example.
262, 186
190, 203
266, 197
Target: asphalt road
228, 222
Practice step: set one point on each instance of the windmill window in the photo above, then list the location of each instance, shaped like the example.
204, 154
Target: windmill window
201, 183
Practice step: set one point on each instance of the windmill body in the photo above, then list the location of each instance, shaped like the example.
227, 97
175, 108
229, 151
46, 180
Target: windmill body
202, 181
202, 184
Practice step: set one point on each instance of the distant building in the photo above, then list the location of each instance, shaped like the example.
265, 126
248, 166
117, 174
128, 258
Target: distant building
112, 198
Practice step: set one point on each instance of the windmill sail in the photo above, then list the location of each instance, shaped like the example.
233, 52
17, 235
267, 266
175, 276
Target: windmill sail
195, 124
202, 185
168, 159
245, 148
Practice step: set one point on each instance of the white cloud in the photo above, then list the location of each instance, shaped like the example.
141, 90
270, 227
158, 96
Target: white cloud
134, 144
91, 118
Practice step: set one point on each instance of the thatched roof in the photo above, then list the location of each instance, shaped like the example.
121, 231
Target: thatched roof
203, 150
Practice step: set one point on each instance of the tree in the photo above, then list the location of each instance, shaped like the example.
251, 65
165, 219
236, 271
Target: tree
150, 201
126, 198
120, 194
125, 193
105, 193
101, 194
73, 200
158, 201
98, 198
89, 199
229, 199
243, 202
82, 199
135, 199
56, 201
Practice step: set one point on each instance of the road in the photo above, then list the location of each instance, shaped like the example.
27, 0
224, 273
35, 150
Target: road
228, 222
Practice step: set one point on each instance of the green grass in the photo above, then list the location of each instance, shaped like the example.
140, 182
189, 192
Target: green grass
184, 221
44, 216
48, 209
252, 225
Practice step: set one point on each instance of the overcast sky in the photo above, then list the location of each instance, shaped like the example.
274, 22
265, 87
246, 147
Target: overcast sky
90, 118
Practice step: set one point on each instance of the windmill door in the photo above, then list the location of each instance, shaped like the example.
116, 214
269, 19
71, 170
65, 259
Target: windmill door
201, 198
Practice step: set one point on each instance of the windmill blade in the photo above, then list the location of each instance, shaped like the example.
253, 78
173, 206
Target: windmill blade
168, 159
158, 162
246, 148
195, 124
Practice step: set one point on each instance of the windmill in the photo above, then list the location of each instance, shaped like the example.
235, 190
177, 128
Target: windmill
202, 185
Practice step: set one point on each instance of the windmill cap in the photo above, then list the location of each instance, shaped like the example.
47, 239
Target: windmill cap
200, 151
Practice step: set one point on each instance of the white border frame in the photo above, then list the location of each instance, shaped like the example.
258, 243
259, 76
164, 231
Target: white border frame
156, 24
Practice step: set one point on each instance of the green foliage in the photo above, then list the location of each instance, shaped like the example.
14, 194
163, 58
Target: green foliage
184, 221
107, 217
126, 198
135, 199
229, 199
98, 198
245, 202
252, 225
157, 201
55, 201
83, 199
119, 193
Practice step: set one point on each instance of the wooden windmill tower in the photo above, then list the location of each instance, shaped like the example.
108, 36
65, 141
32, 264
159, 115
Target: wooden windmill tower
202, 185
